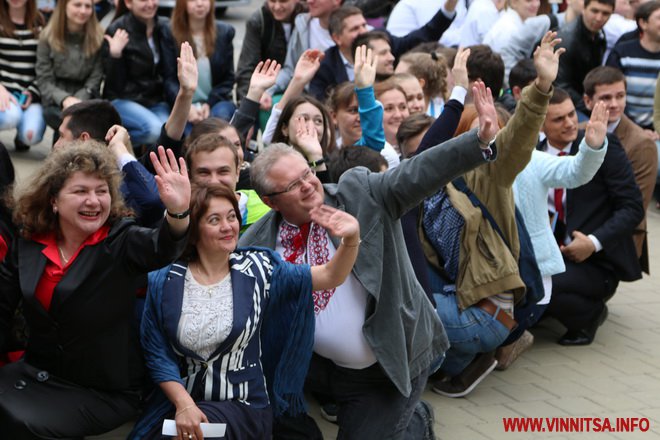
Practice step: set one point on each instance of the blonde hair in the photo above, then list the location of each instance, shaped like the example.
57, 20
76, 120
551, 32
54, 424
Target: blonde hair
55, 31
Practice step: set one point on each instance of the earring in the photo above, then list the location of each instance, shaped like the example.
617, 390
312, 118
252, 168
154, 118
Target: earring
55, 210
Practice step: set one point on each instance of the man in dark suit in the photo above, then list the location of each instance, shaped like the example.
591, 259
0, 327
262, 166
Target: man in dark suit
594, 225
608, 84
347, 23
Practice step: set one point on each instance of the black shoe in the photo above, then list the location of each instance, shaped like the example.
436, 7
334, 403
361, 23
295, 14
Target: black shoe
463, 383
329, 412
20, 146
584, 336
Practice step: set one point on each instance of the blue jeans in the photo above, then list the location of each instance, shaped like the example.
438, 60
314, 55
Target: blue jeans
142, 123
470, 332
223, 110
24, 121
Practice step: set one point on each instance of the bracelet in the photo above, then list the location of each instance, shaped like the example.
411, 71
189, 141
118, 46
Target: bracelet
180, 215
343, 243
316, 163
184, 410
484, 144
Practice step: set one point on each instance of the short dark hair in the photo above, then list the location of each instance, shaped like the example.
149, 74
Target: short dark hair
486, 65
645, 10
210, 142
341, 96
601, 75
411, 127
351, 157
611, 3
210, 125
522, 73
368, 37
200, 199
336, 22
559, 96
94, 116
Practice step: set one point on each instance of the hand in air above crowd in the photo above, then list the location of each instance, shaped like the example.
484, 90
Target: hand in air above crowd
597, 126
483, 102
365, 67
546, 61
459, 71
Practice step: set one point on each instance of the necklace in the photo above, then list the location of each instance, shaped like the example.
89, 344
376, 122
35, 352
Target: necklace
65, 260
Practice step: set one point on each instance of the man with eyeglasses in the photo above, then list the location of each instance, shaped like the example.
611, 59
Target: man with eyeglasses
376, 335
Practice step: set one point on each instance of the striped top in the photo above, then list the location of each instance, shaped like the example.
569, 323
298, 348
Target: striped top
18, 57
641, 69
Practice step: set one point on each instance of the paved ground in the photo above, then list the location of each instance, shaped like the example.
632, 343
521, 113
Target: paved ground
617, 376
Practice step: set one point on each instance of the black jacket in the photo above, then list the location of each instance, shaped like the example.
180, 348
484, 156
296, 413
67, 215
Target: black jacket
609, 207
89, 335
584, 51
135, 76
264, 39
222, 67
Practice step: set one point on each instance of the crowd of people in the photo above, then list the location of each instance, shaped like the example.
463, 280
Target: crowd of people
421, 196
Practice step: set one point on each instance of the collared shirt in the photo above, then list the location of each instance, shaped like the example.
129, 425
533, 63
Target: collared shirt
350, 69
551, 195
55, 268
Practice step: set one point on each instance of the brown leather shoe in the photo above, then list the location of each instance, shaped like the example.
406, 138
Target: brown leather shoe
509, 353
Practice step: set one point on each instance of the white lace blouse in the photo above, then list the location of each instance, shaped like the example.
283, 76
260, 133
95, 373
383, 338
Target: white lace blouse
206, 315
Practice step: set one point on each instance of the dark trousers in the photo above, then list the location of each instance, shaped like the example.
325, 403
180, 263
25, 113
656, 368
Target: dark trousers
370, 406
36, 405
579, 294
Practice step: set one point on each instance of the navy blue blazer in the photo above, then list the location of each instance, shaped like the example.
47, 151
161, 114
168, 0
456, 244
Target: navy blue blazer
609, 207
333, 72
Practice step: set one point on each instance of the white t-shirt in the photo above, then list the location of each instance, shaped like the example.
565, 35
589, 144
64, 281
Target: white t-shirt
338, 335
319, 38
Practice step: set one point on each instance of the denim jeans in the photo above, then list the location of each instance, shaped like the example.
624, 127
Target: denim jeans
24, 121
470, 332
142, 123
370, 406
223, 110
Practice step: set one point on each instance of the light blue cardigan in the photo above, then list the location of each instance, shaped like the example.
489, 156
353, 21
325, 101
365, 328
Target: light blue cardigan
530, 191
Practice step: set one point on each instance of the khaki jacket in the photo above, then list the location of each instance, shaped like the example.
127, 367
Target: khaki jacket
486, 265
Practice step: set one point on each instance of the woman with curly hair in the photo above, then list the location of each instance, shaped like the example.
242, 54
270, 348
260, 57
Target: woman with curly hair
74, 269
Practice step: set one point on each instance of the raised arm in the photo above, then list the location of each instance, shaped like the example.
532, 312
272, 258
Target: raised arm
339, 224
445, 126
519, 137
371, 112
306, 68
174, 189
263, 77
187, 75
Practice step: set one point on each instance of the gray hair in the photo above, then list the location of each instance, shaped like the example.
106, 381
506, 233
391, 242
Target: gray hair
262, 164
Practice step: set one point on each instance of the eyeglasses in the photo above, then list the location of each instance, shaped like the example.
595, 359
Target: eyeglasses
306, 177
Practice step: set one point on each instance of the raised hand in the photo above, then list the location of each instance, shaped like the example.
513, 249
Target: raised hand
118, 140
186, 68
307, 139
308, 65
263, 78
459, 71
483, 101
337, 223
365, 67
172, 180
117, 42
450, 5
546, 61
597, 125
